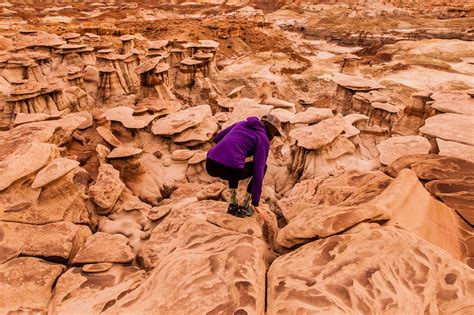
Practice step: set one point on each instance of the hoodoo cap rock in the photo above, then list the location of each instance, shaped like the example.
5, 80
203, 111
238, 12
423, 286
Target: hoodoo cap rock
275, 122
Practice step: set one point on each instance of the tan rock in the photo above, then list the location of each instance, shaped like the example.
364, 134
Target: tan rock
26, 284
211, 191
125, 115
316, 136
57, 240
396, 147
283, 114
20, 164
355, 83
207, 271
124, 151
349, 129
78, 292
416, 211
198, 134
178, 122
312, 116
241, 225
242, 110
108, 136
455, 149
107, 188
103, 247
198, 157
23, 118
182, 155
54, 170
62, 199
379, 270
319, 209
457, 107
451, 127
338, 148
95, 268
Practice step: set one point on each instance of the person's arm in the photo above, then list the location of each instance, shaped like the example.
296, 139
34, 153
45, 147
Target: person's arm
259, 163
222, 134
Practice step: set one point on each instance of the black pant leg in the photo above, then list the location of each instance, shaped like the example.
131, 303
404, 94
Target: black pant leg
249, 186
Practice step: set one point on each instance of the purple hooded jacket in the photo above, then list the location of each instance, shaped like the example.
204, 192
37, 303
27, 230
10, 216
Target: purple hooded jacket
239, 141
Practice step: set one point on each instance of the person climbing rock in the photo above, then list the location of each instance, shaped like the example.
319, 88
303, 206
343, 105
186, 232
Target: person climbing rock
234, 144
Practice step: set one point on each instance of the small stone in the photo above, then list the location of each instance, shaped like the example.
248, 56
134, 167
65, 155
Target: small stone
182, 155
312, 116
95, 268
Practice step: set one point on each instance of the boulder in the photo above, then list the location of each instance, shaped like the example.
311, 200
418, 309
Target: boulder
283, 114
396, 147
178, 122
23, 118
54, 170
198, 134
107, 188
371, 271
314, 137
352, 199
450, 127
19, 164
312, 115
125, 116
26, 284
103, 247
62, 199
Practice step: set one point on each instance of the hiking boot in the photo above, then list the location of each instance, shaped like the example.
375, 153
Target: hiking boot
246, 211
235, 211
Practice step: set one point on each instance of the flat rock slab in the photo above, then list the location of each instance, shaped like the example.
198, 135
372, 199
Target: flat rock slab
372, 271
178, 122
312, 116
182, 154
20, 163
108, 136
456, 149
211, 270
396, 147
314, 137
79, 292
55, 240
454, 106
54, 170
107, 188
283, 114
124, 151
26, 284
322, 219
451, 127
125, 116
103, 247
198, 134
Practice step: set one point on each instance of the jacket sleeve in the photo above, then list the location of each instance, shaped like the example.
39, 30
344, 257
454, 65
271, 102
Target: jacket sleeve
259, 164
222, 134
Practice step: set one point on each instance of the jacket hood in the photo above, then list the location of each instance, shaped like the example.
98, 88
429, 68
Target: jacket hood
255, 123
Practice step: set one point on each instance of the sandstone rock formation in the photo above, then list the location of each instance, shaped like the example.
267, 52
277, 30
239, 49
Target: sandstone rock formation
108, 110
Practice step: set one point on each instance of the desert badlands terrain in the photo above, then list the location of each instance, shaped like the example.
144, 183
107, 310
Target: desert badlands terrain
107, 111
